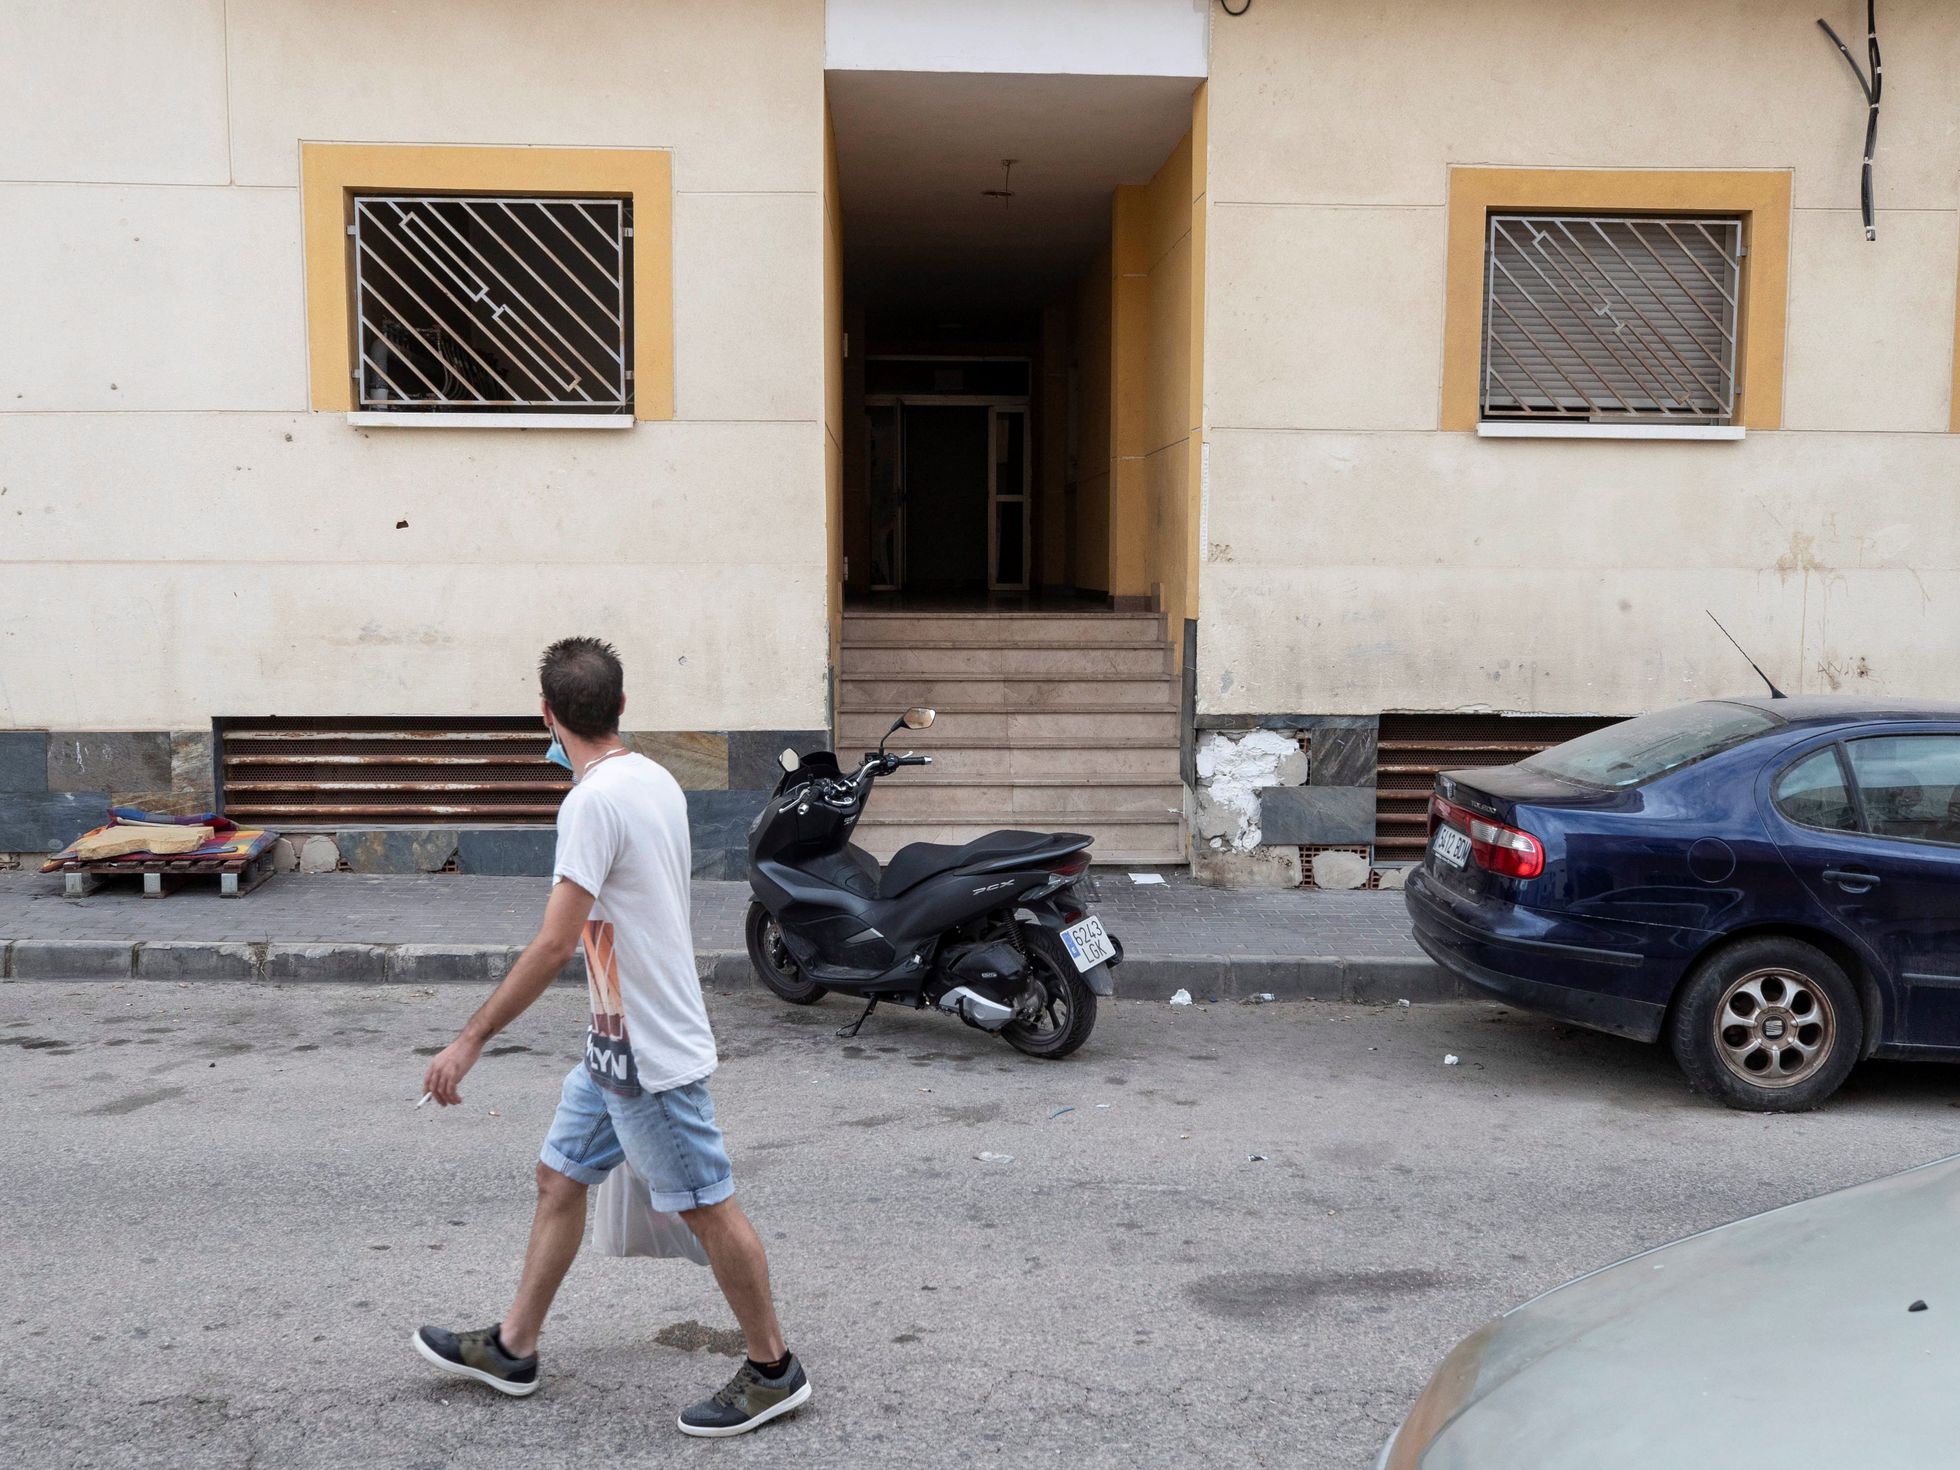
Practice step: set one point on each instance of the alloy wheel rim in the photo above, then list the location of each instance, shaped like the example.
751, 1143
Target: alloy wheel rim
778, 952
1055, 1009
1774, 1028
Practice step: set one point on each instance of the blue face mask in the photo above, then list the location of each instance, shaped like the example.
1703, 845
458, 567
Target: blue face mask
556, 754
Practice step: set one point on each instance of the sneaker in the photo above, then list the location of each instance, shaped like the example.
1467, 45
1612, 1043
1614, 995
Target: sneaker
748, 1399
478, 1355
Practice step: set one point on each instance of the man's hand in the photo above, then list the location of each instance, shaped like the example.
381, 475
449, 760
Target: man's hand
565, 914
447, 1069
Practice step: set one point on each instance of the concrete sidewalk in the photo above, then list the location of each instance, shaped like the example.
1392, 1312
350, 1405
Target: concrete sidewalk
447, 928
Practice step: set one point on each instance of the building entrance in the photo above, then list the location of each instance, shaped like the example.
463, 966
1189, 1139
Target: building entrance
950, 495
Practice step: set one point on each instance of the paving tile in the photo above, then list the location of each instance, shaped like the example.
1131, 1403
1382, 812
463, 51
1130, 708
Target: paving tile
125, 762
48, 821
698, 759
24, 761
752, 754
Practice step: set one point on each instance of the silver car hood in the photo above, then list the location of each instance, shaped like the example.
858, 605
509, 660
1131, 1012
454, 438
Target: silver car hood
1784, 1339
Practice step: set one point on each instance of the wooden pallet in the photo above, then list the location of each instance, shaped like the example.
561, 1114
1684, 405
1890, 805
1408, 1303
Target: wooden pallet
236, 876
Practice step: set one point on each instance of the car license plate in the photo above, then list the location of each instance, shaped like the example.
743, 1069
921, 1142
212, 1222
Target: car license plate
1087, 944
1452, 846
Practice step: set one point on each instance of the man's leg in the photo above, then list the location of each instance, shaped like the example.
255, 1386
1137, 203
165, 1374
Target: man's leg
557, 1229
741, 1271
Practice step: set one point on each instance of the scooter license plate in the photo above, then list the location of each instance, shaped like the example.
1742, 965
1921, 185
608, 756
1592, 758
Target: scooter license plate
1087, 944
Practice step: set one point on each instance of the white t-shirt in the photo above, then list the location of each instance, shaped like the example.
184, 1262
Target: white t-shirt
622, 837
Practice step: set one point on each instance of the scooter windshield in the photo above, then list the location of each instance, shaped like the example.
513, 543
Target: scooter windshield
817, 765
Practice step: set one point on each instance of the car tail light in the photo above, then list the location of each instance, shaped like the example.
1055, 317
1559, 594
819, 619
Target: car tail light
1496, 848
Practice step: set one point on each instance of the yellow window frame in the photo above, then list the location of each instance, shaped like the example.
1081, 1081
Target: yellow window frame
1760, 196
332, 173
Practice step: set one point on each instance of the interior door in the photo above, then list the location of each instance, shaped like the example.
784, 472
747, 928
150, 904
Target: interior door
1884, 857
885, 470
1008, 472
945, 497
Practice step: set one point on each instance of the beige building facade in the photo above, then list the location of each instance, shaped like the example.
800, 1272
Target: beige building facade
944, 330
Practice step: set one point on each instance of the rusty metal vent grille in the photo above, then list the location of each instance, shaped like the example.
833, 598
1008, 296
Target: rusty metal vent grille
410, 772
1415, 747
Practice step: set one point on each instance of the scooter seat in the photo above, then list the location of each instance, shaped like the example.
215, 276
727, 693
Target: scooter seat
913, 864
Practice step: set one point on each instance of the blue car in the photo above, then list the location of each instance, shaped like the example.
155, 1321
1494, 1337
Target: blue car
1771, 884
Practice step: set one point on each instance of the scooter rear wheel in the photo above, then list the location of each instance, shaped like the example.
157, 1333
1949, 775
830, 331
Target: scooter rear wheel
774, 966
1065, 1022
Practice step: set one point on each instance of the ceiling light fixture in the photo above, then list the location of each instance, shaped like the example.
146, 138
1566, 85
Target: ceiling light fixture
1003, 193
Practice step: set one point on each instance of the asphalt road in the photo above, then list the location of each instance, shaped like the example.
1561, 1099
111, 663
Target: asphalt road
222, 1217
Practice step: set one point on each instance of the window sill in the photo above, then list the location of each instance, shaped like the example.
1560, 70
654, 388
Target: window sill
1514, 429
380, 419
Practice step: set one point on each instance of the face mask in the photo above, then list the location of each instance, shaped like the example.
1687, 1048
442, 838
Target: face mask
556, 754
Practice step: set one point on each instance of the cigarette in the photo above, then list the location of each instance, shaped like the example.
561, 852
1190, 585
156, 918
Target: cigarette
425, 1097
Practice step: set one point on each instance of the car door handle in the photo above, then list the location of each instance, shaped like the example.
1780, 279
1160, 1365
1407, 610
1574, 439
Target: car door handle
1852, 880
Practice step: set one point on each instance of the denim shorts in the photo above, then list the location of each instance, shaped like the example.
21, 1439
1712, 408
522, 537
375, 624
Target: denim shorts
670, 1138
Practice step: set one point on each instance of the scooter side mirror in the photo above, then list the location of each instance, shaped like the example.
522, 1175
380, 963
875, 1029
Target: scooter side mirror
918, 718
789, 760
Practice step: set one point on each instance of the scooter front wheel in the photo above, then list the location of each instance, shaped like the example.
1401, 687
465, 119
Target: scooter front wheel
774, 966
1069, 1013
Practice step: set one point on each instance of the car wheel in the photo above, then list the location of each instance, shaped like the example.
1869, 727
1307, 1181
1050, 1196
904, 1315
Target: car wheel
1771, 1025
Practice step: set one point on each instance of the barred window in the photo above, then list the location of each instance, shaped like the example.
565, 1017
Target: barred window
1611, 319
493, 303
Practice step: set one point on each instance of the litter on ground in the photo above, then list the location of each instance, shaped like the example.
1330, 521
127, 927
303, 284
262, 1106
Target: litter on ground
1181, 998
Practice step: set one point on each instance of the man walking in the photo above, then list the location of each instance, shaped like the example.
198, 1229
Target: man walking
620, 887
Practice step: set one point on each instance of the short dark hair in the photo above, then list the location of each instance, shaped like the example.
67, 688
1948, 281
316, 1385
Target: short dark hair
583, 684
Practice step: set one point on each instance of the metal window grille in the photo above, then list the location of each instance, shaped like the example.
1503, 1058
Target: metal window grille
495, 303
1611, 319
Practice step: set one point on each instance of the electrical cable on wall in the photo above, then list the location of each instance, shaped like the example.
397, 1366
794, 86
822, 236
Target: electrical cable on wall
1872, 84
1226, 6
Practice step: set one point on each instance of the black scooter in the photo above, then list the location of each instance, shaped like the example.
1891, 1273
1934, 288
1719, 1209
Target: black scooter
992, 931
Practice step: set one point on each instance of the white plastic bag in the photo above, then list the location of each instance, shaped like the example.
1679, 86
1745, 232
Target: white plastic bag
627, 1224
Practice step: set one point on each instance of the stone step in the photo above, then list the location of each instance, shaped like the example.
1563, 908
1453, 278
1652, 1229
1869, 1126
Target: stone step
1089, 757
1118, 840
982, 796
955, 723
1005, 692
908, 628
873, 660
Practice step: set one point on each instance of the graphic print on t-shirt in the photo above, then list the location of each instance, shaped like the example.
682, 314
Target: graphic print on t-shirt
608, 1050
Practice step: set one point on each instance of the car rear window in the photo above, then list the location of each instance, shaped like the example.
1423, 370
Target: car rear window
1640, 749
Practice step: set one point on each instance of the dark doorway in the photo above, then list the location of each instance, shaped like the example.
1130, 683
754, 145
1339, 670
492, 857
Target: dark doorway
945, 498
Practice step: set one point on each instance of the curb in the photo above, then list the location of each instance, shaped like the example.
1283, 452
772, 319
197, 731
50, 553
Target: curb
1139, 977
270, 962
1371, 981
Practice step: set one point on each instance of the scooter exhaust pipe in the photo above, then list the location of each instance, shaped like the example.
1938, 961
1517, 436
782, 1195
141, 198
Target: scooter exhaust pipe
976, 1009
986, 1013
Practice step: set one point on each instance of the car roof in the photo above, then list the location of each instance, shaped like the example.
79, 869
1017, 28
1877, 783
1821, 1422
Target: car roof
1826, 709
